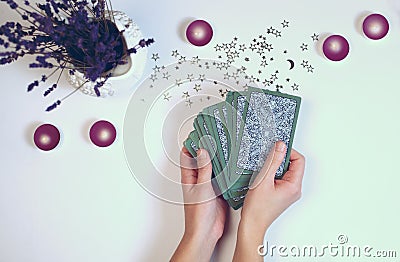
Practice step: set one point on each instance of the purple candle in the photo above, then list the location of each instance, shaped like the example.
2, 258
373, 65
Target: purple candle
46, 137
102, 133
336, 48
199, 33
375, 26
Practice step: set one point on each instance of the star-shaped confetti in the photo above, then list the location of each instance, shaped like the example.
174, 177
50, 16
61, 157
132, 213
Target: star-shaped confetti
230, 58
260, 51
278, 34
218, 48
155, 57
304, 47
153, 77
304, 63
266, 82
166, 75
226, 76
182, 59
202, 77
242, 47
190, 77
252, 79
274, 77
232, 45
189, 103
178, 82
235, 75
185, 95
195, 60
315, 37
175, 53
269, 47
253, 47
271, 30
167, 96
197, 87
156, 69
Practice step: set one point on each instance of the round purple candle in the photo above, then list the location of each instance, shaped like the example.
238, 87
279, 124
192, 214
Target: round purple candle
102, 133
336, 48
375, 26
199, 33
46, 137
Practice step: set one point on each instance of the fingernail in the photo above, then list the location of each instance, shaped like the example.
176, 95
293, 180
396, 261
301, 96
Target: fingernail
280, 147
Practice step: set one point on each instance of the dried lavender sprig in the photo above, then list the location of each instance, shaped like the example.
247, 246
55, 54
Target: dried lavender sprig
51, 38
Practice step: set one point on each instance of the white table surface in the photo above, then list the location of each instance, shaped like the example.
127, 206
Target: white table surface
81, 203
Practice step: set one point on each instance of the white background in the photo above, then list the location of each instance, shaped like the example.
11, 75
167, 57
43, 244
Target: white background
81, 203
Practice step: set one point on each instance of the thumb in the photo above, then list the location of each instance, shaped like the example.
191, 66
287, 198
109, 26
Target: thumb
204, 167
271, 165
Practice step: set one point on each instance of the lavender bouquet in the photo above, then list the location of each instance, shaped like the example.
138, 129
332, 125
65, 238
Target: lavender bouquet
72, 35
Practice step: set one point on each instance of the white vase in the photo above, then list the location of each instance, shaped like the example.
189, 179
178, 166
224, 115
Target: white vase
133, 68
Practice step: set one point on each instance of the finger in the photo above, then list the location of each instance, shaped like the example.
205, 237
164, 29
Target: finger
271, 164
279, 155
204, 166
295, 172
188, 167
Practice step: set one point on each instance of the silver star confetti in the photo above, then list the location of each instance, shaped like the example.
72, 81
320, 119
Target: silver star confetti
197, 87
155, 57
315, 37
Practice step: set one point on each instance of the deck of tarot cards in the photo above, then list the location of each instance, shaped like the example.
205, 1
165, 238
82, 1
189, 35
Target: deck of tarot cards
239, 133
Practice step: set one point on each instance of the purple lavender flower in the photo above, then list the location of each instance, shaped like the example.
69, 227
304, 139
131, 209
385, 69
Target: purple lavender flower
76, 35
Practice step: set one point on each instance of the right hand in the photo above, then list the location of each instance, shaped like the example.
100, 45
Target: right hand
267, 198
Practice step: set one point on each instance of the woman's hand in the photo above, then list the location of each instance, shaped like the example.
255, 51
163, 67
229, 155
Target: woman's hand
266, 199
205, 213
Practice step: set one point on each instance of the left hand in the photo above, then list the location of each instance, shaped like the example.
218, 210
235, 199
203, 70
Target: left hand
205, 213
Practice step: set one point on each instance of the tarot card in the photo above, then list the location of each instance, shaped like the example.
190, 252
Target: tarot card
236, 202
213, 119
274, 120
239, 115
257, 136
285, 109
189, 145
195, 139
223, 143
229, 111
208, 142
